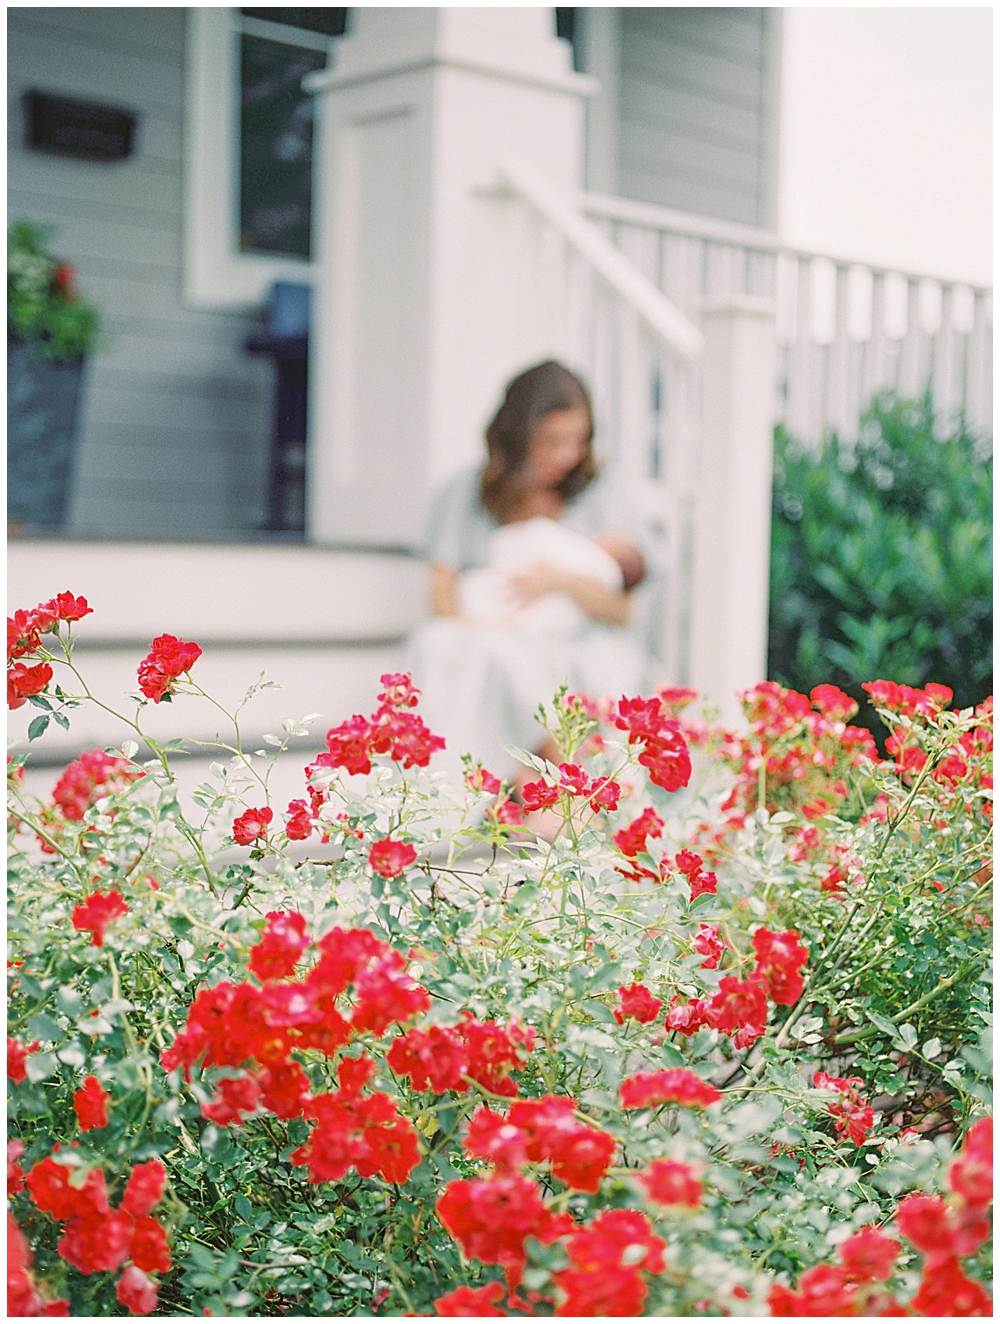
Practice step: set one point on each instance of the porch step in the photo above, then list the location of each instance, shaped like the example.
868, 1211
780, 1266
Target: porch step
332, 680
322, 623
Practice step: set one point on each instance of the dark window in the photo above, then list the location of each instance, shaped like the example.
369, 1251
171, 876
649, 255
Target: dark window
276, 144
565, 23
566, 29
331, 22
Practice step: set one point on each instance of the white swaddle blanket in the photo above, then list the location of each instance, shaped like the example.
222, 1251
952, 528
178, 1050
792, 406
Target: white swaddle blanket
488, 597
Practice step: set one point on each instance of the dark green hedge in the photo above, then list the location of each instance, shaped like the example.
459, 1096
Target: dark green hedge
881, 558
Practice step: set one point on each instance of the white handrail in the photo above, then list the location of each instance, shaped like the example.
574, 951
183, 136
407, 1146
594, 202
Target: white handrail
652, 216
666, 321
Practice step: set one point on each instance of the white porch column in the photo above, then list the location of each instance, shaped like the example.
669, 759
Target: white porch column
732, 542
419, 304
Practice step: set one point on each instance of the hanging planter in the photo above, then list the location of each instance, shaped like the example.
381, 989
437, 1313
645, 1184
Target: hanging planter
50, 330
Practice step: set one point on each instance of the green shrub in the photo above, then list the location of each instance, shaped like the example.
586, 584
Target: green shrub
628, 1084
881, 558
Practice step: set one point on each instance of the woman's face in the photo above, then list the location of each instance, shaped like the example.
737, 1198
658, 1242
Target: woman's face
557, 445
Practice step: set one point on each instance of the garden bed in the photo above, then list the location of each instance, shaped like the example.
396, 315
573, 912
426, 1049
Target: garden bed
720, 1048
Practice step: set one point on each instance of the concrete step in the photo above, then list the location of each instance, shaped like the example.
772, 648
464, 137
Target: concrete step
215, 592
322, 623
332, 680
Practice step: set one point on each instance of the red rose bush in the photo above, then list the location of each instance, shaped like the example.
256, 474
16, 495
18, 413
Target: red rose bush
718, 1048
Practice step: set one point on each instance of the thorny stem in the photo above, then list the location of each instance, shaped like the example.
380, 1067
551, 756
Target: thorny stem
890, 829
869, 1032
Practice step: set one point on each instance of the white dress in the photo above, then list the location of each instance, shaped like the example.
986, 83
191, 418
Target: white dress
484, 674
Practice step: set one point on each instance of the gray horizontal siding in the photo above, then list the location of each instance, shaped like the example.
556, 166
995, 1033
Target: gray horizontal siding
697, 113
692, 92
175, 418
731, 33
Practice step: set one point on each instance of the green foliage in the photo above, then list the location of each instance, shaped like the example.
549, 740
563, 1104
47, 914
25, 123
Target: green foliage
43, 306
502, 927
881, 559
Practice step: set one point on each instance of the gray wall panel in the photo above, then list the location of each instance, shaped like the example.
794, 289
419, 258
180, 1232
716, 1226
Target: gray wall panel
695, 86
175, 417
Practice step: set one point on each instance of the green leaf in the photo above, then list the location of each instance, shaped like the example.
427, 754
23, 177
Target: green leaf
40, 1066
882, 1023
908, 1036
45, 1028
38, 726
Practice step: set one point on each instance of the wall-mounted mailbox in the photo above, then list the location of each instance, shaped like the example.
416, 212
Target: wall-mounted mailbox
83, 129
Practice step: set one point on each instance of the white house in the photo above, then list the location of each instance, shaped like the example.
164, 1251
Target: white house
466, 191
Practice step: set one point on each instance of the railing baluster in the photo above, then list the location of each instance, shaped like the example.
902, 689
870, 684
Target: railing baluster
838, 387
909, 354
875, 366
800, 358
979, 389
944, 392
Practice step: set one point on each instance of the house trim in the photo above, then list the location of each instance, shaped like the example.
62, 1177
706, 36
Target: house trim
572, 84
216, 275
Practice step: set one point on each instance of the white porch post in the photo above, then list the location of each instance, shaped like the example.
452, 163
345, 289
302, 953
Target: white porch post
419, 306
732, 540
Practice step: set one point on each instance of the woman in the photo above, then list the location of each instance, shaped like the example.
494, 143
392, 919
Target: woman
484, 674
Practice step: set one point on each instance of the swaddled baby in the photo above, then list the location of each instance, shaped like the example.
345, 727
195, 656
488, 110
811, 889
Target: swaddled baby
488, 596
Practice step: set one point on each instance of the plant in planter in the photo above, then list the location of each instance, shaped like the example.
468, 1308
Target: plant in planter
50, 330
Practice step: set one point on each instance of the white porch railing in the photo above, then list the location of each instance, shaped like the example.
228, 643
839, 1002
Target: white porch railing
597, 309
846, 330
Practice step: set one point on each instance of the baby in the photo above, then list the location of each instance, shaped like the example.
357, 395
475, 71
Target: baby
489, 597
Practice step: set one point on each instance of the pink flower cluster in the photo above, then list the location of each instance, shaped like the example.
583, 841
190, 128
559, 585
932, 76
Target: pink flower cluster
89, 777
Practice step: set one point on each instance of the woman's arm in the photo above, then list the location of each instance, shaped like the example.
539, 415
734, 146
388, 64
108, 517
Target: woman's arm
612, 606
444, 591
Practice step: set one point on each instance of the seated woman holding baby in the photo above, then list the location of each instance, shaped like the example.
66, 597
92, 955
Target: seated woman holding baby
533, 557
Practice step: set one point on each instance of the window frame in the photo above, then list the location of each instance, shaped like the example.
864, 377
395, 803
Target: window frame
216, 273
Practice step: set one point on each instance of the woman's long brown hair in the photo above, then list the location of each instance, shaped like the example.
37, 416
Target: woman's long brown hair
531, 396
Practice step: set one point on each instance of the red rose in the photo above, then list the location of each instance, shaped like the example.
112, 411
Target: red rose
168, 658
91, 1105
97, 912
667, 1182
24, 681
390, 858
251, 826
637, 1001
136, 1292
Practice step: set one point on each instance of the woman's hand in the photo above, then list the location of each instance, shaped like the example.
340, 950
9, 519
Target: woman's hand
599, 603
444, 591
